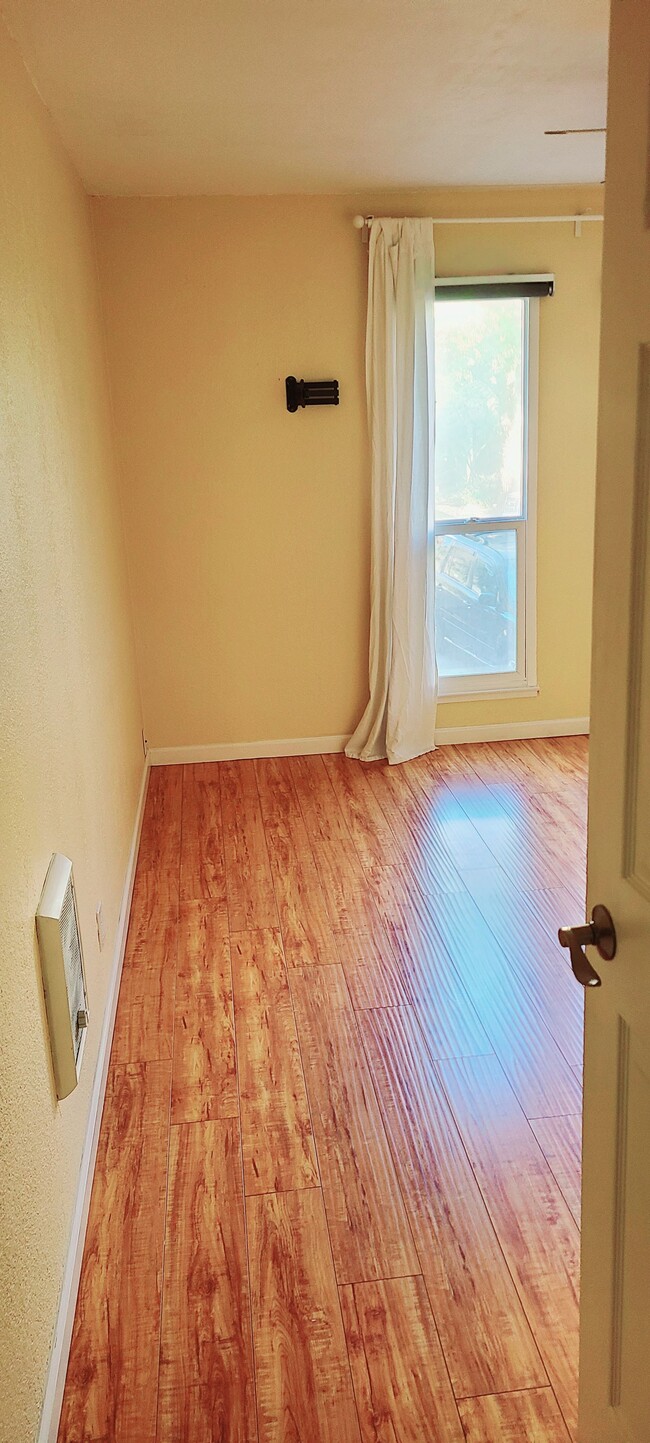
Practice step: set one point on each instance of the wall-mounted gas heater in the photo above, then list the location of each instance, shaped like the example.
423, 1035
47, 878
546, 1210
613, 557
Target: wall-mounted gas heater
64, 979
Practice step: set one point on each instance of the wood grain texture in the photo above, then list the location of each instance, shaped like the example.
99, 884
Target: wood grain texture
111, 1386
411, 1025
554, 809
307, 933
249, 884
203, 869
540, 1075
486, 1339
400, 1380
505, 833
535, 1228
416, 831
536, 961
154, 906
206, 1361
160, 836
372, 969
557, 907
204, 1080
530, 1417
202, 948
463, 843
554, 835
154, 903
560, 1139
278, 1146
369, 1230
144, 1022
348, 900
371, 833
451, 1023
557, 813
505, 761
304, 1388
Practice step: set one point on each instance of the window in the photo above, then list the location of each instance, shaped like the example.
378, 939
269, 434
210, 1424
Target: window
486, 372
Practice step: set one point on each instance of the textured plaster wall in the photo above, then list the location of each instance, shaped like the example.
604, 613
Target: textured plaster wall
70, 752
247, 527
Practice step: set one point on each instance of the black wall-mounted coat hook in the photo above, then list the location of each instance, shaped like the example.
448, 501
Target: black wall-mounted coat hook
311, 393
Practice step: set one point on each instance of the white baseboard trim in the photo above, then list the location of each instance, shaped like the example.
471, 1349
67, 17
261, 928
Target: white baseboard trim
309, 746
242, 751
58, 1363
513, 731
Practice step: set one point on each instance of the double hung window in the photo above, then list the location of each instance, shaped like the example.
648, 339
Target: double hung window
485, 463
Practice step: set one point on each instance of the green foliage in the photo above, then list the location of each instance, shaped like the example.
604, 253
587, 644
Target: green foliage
479, 409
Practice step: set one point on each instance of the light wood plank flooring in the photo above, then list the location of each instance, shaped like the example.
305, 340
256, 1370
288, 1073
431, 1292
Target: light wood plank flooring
337, 1189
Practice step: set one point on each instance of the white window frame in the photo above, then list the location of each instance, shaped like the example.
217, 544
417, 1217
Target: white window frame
484, 686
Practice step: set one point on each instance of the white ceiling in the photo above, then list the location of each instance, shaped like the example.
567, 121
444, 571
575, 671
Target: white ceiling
256, 96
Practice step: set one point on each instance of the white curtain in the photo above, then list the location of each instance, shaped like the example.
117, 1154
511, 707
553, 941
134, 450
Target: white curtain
399, 720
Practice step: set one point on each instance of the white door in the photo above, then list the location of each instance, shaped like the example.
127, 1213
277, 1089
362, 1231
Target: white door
615, 1316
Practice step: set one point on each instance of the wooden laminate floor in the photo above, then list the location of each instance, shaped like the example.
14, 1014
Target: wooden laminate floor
337, 1188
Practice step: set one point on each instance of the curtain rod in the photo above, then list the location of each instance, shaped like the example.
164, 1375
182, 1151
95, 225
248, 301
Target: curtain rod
361, 222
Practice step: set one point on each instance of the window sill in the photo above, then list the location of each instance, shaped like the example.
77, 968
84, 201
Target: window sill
504, 693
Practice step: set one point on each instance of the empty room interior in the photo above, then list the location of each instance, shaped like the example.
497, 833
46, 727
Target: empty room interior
325, 740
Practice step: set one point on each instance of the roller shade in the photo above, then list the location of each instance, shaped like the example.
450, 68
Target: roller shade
475, 288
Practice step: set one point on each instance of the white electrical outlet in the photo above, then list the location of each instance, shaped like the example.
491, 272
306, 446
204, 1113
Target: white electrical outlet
101, 926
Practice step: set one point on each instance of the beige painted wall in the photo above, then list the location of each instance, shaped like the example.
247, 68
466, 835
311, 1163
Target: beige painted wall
70, 755
247, 527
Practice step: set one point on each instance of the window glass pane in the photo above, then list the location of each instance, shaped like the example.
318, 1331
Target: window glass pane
479, 448
476, 602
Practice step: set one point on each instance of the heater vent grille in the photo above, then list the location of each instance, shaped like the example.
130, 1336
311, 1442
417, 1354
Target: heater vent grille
73, 964
64, 980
